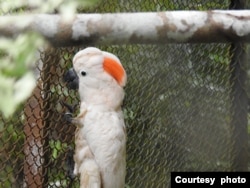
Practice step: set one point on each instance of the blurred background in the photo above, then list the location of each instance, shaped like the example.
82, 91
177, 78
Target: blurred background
186, 108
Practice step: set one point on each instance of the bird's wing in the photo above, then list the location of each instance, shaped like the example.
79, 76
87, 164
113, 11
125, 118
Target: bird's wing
85, 163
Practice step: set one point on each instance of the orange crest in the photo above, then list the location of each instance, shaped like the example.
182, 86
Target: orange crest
115, 69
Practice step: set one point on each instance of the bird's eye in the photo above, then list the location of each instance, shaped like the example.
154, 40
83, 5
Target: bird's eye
83, 73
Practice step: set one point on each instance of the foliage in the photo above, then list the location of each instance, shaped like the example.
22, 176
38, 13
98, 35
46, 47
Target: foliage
16, 79
40, 6
18, 55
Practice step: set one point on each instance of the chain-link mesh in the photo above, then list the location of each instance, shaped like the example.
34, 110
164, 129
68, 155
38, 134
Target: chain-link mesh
185, 110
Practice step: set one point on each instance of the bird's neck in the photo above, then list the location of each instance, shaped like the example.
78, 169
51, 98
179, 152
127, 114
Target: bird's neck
103, 99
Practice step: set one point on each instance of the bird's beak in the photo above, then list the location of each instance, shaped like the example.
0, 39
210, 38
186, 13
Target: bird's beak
71, 79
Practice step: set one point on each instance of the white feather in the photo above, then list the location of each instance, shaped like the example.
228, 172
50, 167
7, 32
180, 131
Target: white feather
101, 140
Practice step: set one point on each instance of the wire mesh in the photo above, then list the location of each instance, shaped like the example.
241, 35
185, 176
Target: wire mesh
179, 108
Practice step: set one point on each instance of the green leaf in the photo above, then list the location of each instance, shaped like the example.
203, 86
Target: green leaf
23, 88
6, 91
13, 93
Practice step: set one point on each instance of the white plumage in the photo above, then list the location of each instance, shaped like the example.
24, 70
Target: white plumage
100, 154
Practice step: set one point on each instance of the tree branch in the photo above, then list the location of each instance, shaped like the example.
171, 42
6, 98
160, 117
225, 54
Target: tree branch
134, 28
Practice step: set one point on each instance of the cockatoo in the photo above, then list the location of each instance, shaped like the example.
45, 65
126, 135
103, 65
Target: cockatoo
100, 139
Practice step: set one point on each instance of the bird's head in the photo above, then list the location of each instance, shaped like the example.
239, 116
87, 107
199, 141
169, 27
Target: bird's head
101, 75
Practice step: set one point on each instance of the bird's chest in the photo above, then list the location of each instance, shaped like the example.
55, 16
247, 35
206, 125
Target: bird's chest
105, 125
105, 134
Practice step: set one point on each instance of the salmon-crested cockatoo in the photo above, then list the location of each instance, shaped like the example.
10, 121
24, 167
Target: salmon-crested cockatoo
100, 140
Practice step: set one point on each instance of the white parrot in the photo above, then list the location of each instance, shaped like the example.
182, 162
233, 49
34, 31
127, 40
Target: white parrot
100, 153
